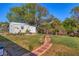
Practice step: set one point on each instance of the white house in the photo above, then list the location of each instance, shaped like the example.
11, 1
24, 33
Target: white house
16, 28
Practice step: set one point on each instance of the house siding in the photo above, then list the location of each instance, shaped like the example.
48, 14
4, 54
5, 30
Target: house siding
16, 28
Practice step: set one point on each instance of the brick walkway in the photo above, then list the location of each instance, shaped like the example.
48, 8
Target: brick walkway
43, 48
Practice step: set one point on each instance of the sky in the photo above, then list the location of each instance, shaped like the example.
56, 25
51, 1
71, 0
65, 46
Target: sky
59, 10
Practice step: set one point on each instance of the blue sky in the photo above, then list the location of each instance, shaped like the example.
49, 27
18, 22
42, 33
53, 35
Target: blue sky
59, 10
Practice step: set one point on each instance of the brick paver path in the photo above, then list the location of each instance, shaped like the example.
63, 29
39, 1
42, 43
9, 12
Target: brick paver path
43, 48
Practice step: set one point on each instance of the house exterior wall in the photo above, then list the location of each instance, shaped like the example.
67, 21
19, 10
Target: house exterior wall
32, 29
16, 28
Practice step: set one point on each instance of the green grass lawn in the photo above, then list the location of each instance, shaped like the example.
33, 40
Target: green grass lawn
64, 45
72, 42
3, 38
26, 41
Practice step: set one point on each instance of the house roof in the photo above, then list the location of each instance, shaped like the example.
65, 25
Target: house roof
17, 23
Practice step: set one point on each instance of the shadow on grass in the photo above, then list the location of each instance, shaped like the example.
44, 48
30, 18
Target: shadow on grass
12, 49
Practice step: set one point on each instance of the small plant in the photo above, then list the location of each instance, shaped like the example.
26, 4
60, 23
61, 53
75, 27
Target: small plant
41, 41
30, 47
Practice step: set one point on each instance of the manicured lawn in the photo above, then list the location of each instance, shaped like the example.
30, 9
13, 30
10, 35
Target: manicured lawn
26, 41
64, 45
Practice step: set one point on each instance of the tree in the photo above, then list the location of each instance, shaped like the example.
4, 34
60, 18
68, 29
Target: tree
75, 16
70, 25
44, 27
75, 13
56, 25
29, 13
50, 18
4, 26
15, 14
37, 12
